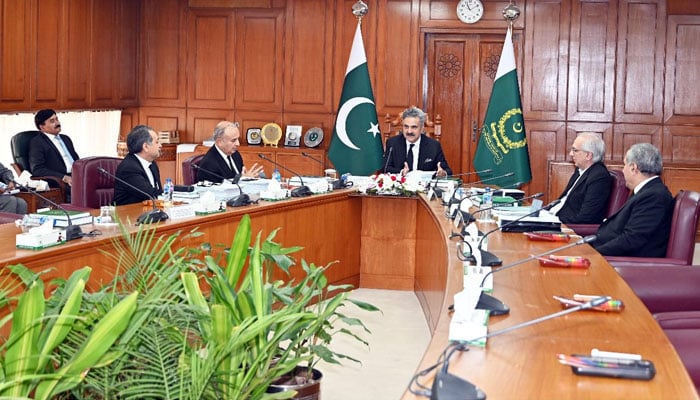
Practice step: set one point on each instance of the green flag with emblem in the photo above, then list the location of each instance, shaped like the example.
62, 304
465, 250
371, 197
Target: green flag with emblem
503, 145
356, 145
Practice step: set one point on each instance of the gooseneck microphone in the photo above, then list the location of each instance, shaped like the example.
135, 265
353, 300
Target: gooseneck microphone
307, 155
72, 231
388, 157
490, 259
155, 215
301, 191
242, 199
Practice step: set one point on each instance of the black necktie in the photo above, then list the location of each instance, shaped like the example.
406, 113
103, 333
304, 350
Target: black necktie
154, 172
409, 157
230, 163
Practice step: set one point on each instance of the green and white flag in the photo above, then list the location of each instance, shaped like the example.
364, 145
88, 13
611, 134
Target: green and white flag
356, 145
503, 144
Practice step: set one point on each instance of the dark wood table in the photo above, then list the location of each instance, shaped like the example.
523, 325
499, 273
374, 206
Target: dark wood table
35, 202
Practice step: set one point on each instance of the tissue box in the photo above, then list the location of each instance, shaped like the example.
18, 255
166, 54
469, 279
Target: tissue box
40, 240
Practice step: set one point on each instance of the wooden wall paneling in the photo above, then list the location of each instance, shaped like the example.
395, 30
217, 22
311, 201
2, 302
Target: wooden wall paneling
129, 119
201, 124
163, 119
258, 119
545, 63
76, 54
683, 7
443, 14
260, 49
127, 60
104, 53
211, 53
681, 144
603, 129
679, 178
323, 121
628, 134
292, 159
308, 62
546, 142
640, 61
16, 32
250, 158
163, 54
592, 60
396, 59
682, 99
47, 17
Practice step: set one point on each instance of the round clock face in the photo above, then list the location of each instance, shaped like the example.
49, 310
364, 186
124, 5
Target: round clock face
470, 11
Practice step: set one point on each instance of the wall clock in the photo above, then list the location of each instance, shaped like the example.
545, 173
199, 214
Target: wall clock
470, 11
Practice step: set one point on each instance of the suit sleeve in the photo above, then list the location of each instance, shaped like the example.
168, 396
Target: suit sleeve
442, 160
392, 162
38, 162
595, 200
134, 174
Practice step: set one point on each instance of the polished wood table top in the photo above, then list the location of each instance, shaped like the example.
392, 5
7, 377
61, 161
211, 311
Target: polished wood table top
523, 363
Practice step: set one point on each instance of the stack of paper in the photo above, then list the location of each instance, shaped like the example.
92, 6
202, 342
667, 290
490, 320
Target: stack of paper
60, 219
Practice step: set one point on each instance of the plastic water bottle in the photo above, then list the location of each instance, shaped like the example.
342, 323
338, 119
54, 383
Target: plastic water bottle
486, 204
168, 189
276, 175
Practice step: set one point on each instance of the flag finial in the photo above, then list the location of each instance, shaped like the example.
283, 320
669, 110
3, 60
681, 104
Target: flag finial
360, 9
511, 12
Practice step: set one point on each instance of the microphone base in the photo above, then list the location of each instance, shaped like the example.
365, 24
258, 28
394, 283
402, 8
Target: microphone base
152, 217
492, 304
450, 387
301, 191
239, 201
490, 259
73, 232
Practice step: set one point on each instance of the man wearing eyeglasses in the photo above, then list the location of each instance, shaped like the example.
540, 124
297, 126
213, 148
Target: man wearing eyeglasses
585, 198
223, 159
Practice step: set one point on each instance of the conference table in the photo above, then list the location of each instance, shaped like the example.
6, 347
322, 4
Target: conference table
404, 243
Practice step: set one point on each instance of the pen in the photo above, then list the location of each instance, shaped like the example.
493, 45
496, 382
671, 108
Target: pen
619, 356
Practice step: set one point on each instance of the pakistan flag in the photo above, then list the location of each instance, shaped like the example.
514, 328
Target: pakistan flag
356, 145
503, 145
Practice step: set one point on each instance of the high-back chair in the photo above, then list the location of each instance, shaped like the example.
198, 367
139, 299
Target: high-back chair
618, 196
8, 217
681, 240
189, 172
91, 188
19, 144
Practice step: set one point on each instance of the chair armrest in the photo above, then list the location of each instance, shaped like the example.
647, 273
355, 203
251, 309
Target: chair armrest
664, 289
584, 229
679, 320
661, 262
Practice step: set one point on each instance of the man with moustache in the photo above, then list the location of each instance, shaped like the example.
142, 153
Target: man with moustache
51, 153
223, 159
139, 167
413, 150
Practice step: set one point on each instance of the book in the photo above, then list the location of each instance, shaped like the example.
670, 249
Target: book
60, 214
62, 223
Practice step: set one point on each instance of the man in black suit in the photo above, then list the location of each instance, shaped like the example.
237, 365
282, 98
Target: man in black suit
139, 167
641, 227
223, 159
9, 203
51, 153
413, 150
585, 198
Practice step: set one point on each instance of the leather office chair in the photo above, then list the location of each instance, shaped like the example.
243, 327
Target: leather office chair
671, 294
618, 196
681, 240
91, 188
189, 172
19, 145
8, 217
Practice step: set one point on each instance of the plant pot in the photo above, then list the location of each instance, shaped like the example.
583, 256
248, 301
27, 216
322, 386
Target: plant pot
297, 380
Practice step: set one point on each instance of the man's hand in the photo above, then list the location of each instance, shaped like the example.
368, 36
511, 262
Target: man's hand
441, 173
404, 171
254, 171
67, 180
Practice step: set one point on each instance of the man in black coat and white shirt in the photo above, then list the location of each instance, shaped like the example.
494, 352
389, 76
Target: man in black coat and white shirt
413, 150
642, 226
51, 153
585, 198
139, 167
223, 159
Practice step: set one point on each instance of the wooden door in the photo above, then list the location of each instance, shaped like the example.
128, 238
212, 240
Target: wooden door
459, 74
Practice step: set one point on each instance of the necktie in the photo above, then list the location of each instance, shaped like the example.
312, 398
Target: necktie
232, 165
155, 182
66, 154
409, 157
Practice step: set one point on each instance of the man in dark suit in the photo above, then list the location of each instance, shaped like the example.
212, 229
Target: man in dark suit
641, 227
223, 159
51, 153
413, 150
9, 203
139, 167
585, 198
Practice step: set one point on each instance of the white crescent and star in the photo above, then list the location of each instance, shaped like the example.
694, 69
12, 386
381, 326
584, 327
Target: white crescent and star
343, 113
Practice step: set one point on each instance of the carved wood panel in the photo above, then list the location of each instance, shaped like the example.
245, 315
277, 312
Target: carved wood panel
201, 124
546, 141
546, 61
211, 53
75, 75
259, 43
682, 99
640, 61
592, 60
681, 144
15, 60
47, 47
628, 134
308, 67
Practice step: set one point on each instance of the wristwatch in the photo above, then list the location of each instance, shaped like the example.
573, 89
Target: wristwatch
470, 11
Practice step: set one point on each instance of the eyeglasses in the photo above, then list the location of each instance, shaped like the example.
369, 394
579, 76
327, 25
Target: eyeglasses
575, 150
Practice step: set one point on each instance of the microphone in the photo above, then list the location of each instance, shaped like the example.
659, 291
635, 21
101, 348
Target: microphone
301, 191
494, 177
148, 217
337, 183
485, 171
307, 155
492, 259
388, 156
72, 231
434, 181
242, 199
